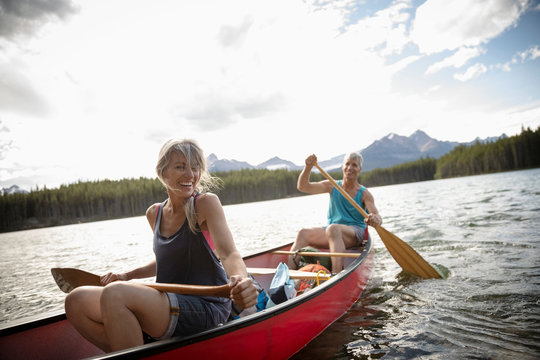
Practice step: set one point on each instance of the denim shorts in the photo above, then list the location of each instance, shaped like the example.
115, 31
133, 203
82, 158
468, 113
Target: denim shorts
359, 232
193, 314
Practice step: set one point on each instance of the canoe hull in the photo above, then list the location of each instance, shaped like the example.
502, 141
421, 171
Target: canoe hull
275, 333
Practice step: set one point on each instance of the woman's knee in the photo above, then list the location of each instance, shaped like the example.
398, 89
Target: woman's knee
113, 294
79, 301
72, 301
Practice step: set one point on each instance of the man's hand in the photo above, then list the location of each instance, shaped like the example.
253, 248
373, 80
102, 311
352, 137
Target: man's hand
374, 220
311, 160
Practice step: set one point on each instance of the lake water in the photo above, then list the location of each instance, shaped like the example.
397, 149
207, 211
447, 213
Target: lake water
484, 229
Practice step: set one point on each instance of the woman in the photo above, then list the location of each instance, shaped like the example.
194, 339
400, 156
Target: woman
192, 245
346, 226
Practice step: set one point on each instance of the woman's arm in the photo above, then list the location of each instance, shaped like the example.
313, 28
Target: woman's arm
211, 216
142, 272
151, 214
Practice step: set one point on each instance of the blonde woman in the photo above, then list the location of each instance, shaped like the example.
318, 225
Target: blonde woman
192, 245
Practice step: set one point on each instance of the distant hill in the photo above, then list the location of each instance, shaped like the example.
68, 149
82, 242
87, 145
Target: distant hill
277, 163
14, 189
388, 151
394, 149
215, 164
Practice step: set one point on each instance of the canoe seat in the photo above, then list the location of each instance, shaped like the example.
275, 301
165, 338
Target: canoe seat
293, 274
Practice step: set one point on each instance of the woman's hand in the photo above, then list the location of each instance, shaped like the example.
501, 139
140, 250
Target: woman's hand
111, 277
243, 292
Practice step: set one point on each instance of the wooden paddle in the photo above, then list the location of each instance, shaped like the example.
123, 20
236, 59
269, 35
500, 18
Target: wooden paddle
68, 279
405, 256
314, 253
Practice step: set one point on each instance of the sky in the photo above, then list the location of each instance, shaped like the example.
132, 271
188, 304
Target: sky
90, 90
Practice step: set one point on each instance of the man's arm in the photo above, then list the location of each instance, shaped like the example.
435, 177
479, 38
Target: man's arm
374, 218
305, 186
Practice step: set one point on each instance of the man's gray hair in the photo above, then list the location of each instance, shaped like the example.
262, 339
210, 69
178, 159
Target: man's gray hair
355, 157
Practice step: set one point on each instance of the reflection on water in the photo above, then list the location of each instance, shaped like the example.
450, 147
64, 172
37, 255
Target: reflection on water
483, 229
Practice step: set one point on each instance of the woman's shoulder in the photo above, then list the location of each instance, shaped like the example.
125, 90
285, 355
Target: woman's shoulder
152, 210
207, 199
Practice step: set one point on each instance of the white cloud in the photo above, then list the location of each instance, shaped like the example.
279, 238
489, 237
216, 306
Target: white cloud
248, 79
387, 28
457, 60
471, 73
532, 53
447, 25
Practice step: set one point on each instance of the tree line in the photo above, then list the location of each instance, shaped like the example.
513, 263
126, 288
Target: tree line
110, 199
517, 152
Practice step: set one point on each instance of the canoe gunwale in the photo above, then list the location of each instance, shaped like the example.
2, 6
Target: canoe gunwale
31, 322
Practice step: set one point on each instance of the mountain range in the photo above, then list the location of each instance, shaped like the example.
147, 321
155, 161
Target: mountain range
388, 151
14, 189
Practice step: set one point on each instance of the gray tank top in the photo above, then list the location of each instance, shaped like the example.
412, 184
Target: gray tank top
186, 258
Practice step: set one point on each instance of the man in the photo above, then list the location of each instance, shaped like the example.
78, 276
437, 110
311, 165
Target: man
346, 226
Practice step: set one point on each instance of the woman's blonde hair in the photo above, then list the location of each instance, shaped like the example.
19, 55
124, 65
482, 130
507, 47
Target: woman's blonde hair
196, 159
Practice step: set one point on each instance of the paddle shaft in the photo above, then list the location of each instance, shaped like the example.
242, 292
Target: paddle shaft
404, 255
320, 253
199, 290
343, 192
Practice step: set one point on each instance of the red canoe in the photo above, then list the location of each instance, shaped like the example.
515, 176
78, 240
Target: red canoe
275, 333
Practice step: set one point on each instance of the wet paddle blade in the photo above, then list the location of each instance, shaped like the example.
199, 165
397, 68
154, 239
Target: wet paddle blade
406, 256
68, 279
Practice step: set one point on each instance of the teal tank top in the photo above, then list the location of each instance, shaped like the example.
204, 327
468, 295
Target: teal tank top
341, 211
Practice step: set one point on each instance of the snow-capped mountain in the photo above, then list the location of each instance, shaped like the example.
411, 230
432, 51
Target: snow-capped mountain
395, 149
216, 164
388, 151
277, 163
12, 190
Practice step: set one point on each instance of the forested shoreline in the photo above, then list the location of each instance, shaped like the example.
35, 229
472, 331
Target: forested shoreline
111, 199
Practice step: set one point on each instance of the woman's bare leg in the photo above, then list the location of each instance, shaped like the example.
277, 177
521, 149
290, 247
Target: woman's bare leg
128, 309
84, 312
113, 317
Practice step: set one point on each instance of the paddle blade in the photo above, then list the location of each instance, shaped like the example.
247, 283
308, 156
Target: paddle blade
68, 279
405, 255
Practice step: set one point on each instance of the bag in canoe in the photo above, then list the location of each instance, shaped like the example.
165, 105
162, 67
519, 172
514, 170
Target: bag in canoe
304, 260
305, 284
